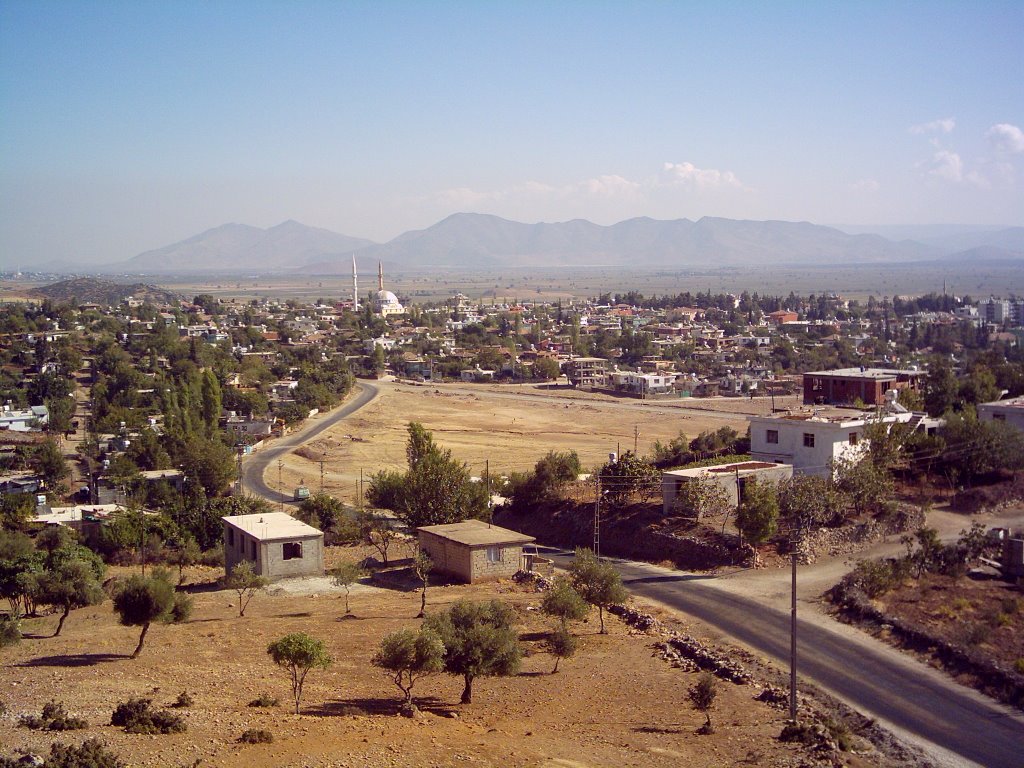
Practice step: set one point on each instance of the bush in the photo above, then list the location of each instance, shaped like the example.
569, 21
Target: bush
181, 611
137, 716
799, 733
1019, 665
91, 754
265, 700
10, 631
840, 733
184, 700
214, 558
977, 634
53, 718
256, 736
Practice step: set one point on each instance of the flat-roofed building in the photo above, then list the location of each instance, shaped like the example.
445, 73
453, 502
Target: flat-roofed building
847, 386
473, 550
1010, 411
278, 545
587, 371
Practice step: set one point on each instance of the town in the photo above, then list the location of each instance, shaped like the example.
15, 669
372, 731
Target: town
140, 429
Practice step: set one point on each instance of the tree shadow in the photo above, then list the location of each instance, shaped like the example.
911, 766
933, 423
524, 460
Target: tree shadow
377, 706
533, 674
527, 637
298, 615
201, 587
667, 579
657, 729
74, 660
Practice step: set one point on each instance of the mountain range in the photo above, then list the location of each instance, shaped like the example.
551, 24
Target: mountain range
473, 240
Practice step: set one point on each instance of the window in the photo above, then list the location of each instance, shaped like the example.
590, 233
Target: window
999, 417
494, 554
808, 440
854, 438
253, 548
292, 550
772, 436
231, 537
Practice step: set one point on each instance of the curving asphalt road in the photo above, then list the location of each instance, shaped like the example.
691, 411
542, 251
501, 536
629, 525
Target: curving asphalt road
256, 465
955, 725
878, 681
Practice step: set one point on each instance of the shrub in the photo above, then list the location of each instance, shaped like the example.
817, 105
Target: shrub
91, 754
1019, 665
1010, 605
977, 634
799, 733
256, 736
214, 558
10, 631
184, 700
137, 716
181, 611
702, 696
840, 733
265, 700
53, 718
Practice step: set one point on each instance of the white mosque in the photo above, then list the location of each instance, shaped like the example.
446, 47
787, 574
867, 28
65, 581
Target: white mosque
385, 303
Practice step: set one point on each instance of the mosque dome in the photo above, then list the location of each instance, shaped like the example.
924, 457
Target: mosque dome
386, 297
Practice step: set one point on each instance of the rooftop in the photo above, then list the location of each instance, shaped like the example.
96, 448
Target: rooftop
477, 533
867, 373
1010, 402
271, 525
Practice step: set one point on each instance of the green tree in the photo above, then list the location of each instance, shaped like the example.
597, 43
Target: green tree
244, 580
377, 531
866, 484
563, 602
47, 461
627, 477
209, 464
140, 600
808, 500
702, 496
941, 387
345, 575
546, 369
184, 555
70, 584
702, 695
408, 657
422, 566
299, 653
211, 401
561, 644
479, 641
596, 581
758, 515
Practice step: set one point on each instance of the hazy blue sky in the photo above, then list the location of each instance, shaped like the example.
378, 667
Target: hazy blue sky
127, 126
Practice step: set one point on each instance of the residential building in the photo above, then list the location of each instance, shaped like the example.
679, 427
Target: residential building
1010, 411
846, 386
24, 419
278, 545
587, 371
731, 477
474, 551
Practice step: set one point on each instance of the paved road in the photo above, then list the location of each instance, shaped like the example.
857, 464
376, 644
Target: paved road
254, 467
905, 695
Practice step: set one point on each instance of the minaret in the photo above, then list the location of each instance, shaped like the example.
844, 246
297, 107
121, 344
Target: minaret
355, 285
380, 276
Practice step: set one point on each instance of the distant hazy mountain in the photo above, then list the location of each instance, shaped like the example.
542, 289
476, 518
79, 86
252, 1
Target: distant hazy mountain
1009, 239
474, 240
985, 254
241, 248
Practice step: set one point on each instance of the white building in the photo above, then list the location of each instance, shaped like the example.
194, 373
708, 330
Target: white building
24, 420
810, 441
1011, 411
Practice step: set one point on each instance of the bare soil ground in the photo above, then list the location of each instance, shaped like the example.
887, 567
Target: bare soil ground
614, 704
988, 615
508, 426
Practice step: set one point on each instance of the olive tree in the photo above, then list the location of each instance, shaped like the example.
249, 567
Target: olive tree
563, 602
70, 584
141, 600
345, 575
479, 641
409, 656
596, 581
299, 653
702, 695
244, 580
422, 566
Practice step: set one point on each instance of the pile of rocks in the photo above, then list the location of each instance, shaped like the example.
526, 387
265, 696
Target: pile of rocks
645, 622
704, 657
540, 583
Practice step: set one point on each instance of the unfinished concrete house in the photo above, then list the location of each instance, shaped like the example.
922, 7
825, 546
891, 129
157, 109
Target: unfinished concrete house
731, 477
474, 551
278, 545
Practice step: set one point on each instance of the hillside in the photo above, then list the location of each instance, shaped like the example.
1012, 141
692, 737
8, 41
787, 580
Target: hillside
242, 248
88, 290
479, 240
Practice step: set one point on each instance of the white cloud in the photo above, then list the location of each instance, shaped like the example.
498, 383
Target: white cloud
947, 165
865, 185
1006, 138
944, 125
688, 173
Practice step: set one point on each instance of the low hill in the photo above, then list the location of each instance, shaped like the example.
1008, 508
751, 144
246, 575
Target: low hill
89, 290
242, 248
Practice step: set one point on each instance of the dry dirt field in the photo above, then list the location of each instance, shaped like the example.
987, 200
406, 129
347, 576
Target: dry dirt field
614, 704
510, 426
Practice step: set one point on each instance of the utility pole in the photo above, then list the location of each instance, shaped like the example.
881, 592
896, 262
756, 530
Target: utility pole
795, 542
487, 485
597, 519
321, 475
280, 486
636, 437
359, 493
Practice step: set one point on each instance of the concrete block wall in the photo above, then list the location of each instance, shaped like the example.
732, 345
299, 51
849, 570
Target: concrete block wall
274, 566
485, 570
